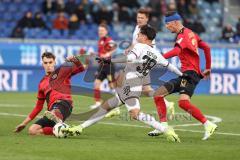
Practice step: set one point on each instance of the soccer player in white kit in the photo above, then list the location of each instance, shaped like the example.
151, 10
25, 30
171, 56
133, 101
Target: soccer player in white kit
139, 62
142, 19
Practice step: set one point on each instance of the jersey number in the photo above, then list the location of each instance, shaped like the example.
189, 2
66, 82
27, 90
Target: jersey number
147, 65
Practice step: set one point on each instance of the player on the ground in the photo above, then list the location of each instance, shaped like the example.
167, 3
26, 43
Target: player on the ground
139, 62
105, 71
186, 48
58, 104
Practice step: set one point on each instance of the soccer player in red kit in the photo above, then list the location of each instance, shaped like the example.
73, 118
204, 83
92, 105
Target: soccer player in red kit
58, 104
186, 48
105, 71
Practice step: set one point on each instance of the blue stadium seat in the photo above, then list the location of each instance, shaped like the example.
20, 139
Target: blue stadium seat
2, 8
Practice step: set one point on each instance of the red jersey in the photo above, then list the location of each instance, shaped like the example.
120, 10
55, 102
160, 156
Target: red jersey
189, 42
45, 92
103, 44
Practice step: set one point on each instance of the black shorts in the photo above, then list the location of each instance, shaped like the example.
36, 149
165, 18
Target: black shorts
106, 71
182, 85
65, 109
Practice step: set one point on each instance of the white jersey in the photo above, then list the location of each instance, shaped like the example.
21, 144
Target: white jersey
135, 35
143, 59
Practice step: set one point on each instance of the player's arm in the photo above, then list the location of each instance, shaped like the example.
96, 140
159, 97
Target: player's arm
111, 47
163, 62
36, 110
77, 64
129, 58
173, 52
207, 52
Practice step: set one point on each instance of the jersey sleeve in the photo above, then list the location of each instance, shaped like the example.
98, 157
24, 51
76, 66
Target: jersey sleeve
181, 41
39, 104
162, 61
135, 52
40, 94
207, 51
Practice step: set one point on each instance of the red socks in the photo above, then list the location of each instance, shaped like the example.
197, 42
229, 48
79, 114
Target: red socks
191, 109
97, 95
161, 108
47, 131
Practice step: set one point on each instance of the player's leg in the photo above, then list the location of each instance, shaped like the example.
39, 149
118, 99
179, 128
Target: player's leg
43, 126
133, 106
97, 93
60, 111
187, 87
96, 116
148, 90
185, 103
160, 93
112, 84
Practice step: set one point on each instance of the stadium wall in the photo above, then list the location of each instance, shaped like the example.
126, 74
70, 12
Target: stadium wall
20, 65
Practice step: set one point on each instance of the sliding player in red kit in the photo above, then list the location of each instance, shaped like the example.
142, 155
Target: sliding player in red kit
186, 48
59, 104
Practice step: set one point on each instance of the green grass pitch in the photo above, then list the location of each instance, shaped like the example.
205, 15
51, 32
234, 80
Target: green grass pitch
120, 137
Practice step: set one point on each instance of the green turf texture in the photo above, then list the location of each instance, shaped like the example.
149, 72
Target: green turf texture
110, 142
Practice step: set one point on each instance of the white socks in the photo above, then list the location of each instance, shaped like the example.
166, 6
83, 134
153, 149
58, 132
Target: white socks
95, 117
149, 120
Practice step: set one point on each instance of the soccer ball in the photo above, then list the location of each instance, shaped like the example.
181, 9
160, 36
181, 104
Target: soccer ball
57, 130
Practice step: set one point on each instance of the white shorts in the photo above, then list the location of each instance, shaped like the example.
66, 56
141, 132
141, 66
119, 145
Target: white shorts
131, 103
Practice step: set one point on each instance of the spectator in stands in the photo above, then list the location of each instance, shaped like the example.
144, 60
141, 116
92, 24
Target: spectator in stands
105, 16
70, 7
61, 22
237, 34
87, 6
172, 6
155, 6
124, 15
60, 6
17, 33
212, 1
123, 3
227, 33
198, 27
81, 14
193, 9
39, 22
73, 24
182, 8
115, 12
238, 26
26, 21
155, 23
49, 6
95, 8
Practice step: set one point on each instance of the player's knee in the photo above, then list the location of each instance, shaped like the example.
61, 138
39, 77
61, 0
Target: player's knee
182, 103
97, 84
32, 130
134, 113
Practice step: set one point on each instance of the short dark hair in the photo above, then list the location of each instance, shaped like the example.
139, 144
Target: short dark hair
144, 11
148, 31
48, 55
104, 25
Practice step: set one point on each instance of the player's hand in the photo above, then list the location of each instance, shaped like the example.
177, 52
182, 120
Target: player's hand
70, 58
103, 60
19, 128
206, 73
126, 51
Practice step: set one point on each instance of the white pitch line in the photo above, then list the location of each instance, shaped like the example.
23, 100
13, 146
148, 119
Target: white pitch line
131, 125
10, 105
